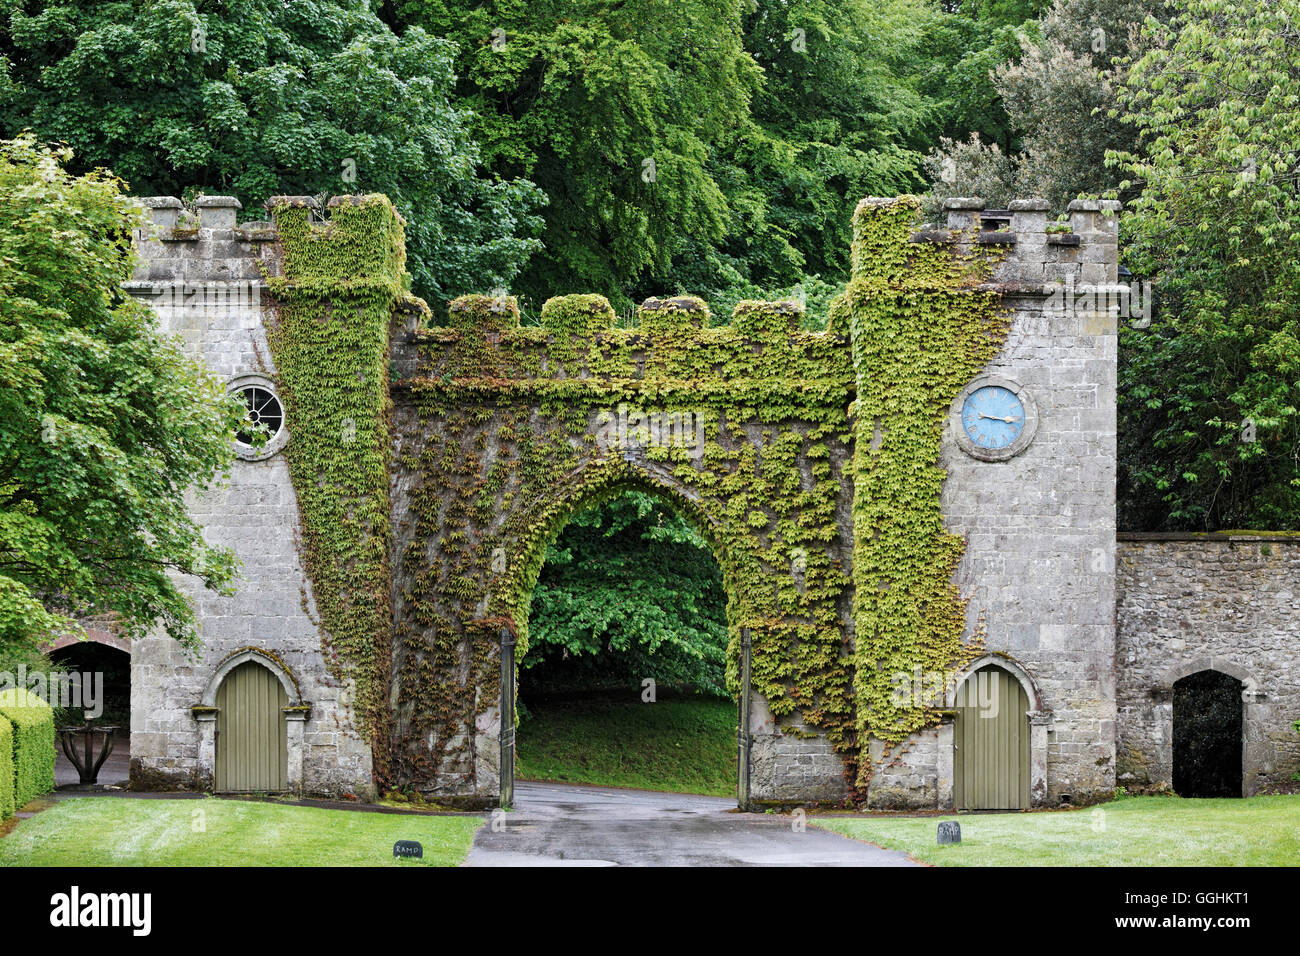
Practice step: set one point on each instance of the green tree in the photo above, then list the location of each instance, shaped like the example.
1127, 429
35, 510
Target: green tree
1209, 427
629, 590
689, 146
614, 110
836, 118
959, 52
103, 423
259, 97
1057, 88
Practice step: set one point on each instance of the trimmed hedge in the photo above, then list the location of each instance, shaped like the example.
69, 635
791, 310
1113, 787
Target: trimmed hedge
33, 743
6, 769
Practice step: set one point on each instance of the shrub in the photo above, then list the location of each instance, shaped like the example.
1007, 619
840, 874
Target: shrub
6, 769
33, 743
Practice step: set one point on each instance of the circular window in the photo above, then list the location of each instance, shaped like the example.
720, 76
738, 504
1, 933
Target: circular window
263, 433
264, 415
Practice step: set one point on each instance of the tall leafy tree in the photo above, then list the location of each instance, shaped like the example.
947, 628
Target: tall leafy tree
1210, 392
837, 117
629, 591
259, 97
614, 110
960, 50
103, 423
704, 146
1057, 86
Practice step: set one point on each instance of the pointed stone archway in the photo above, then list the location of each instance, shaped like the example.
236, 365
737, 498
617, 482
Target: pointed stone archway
503, 432
1039, 718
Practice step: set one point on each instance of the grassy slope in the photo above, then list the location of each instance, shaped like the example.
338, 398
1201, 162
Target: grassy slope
1134, 831
681, 745
111, 831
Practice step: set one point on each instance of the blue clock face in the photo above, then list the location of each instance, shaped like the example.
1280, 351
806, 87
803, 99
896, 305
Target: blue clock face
993, 416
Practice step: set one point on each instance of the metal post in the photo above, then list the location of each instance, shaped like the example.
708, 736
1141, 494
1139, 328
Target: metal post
507, 719
742, 733
87, 767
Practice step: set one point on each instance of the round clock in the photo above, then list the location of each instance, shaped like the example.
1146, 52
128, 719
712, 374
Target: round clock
993, 419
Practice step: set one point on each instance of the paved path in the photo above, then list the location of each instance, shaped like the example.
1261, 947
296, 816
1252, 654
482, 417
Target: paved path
576, 825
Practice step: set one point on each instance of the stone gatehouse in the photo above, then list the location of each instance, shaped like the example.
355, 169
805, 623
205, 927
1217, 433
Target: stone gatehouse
1085, 631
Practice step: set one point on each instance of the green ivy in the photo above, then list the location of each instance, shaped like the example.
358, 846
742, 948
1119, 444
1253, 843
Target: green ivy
329, 340
921, 329
504, 433
507, 447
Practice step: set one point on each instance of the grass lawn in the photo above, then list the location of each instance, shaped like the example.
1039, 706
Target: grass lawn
120, 831
684, 745
1132, 831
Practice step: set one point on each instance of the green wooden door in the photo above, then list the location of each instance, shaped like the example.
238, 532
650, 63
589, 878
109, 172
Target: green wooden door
252, 749
991, 743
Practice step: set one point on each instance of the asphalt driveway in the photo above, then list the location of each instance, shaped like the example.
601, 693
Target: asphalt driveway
579, 825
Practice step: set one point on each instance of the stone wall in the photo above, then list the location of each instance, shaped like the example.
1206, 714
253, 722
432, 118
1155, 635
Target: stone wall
1039, 567
1225, 602
203, 280
455, 565
791, 763
1040, 526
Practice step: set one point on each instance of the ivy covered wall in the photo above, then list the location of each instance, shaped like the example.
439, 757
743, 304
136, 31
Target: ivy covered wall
750, 429
431, 460
341, 283
504, 432
921, 327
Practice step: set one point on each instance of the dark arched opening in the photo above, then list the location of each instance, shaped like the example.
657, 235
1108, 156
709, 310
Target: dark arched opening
1208, 735
96, 678
106, 679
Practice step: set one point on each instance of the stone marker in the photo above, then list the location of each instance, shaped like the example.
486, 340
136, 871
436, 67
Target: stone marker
409, 848
950, 832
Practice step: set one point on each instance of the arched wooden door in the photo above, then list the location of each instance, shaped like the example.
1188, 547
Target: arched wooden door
252, 744
991, 743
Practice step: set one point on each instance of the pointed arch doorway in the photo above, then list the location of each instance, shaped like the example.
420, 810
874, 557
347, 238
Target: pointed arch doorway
252, 752
623, 477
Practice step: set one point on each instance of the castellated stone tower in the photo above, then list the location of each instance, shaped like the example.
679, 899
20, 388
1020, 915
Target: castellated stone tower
1035, 506
205, 277
1038, 516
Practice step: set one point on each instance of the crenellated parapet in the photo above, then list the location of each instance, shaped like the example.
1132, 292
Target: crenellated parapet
1084, 249
1033, 255
577, 349
210, 245
206, 245
1029, 253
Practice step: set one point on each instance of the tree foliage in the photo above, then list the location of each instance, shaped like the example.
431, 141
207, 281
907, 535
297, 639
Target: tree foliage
1057, 86
687, 146
613, 110
259, 97
1209, 427
103, 423
629, 591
